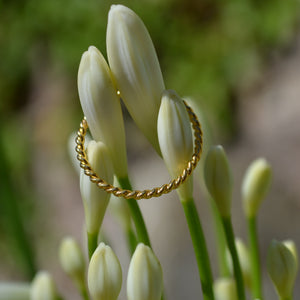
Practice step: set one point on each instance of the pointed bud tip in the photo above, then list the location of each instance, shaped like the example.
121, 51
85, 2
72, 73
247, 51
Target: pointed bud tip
171, 95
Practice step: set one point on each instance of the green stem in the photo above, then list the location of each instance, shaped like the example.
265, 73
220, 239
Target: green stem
136, 214
131, 240
137, 217
200, 249
254, 258
220, 241
234, 255
92, 239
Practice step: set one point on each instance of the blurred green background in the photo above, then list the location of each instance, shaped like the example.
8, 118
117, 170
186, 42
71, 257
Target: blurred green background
210, 50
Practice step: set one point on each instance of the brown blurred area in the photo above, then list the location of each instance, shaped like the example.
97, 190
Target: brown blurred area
260, 118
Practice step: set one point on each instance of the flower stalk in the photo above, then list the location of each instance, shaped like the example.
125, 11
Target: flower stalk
234, 256
254, 188
217, 175
256, 280
200, 248
176, 143
136, 214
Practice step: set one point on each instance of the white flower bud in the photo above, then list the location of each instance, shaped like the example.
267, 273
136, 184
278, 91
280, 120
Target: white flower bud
134, 64
43, 287
94, 199
218, 179
175, 138
71, 259
282, 268
255, 186
145, 279
104, 274
225, 289
14, 291
101, 106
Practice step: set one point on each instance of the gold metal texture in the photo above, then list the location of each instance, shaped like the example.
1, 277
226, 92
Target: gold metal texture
144, 194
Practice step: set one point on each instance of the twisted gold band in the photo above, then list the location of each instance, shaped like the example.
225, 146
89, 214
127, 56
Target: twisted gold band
145, 194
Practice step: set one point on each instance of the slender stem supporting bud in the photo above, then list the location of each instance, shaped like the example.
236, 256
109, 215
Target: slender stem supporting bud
136, 214
256, 279
119, 209
176, 143
200, 248
245, 262
234, 256
220, 240
254, 188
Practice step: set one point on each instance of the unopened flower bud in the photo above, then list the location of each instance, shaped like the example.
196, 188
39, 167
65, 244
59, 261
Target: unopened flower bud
144, 280
136, 69
175, 138
218, 180
94, 199
71, 259
104, 274
225, 289
101, 107
14, 291
255, 186
282, 268
43, 287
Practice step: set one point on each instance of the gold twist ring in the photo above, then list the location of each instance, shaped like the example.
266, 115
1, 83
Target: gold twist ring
145, 194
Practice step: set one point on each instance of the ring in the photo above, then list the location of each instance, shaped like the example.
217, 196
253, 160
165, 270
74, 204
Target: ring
144, 194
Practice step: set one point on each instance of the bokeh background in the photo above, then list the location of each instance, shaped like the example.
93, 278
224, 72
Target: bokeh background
239, 61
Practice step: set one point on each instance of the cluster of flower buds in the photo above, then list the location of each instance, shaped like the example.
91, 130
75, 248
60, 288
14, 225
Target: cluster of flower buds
133, 74
104, 276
